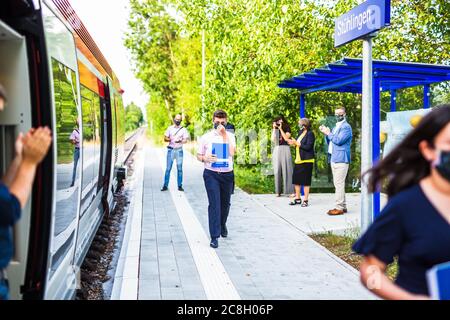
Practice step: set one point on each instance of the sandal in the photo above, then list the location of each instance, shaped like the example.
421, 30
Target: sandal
305, 203
295, 201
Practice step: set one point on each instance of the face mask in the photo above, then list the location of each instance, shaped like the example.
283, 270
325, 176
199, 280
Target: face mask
301, 127
339, 118
443, 164
177, 122
217, 124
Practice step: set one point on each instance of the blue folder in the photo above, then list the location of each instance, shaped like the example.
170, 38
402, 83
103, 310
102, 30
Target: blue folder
222, 152
438, 279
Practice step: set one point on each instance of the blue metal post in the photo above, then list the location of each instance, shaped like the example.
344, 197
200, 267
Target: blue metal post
302, 115
376, 139
302, 105
426, 96
393, 100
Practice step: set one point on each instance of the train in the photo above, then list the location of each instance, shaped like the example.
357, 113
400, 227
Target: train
56, 76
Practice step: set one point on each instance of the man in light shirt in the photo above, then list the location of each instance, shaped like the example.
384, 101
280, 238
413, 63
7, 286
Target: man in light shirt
216, 150
176, 135
75, 140
339, 141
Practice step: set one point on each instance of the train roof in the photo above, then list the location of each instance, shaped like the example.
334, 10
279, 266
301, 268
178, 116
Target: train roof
84, 41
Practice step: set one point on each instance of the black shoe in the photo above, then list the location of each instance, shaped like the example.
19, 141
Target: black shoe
214, 243
224, 232
180, 189
164, 188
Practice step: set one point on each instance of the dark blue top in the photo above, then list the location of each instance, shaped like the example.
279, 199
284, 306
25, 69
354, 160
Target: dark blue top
411, 228
307, 145
9, 214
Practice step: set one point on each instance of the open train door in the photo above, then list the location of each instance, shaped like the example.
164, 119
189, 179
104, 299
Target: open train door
106, 143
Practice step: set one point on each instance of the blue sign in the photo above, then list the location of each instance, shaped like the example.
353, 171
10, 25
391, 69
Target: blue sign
365, 19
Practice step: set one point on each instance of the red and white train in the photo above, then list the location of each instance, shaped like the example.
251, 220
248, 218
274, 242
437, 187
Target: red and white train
56, 76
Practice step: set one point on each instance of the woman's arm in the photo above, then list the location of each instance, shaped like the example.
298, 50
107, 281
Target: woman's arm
286, 135
373, 277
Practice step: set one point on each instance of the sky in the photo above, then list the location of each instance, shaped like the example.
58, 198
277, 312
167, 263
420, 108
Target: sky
106, 21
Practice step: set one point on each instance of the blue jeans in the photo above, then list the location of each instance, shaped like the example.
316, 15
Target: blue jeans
4, 290
218, 187
76, 157
173, 154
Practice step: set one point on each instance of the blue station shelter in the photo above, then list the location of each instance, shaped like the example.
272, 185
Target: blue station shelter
346, 76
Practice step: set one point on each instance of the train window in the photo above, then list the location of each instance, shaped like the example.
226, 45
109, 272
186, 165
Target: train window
68, 154
90, 103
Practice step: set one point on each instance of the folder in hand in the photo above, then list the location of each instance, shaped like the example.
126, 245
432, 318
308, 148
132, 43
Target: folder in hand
438, 279
222, 152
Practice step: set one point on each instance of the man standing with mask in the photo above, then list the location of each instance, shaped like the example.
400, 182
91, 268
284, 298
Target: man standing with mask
216, 150
176, 135
339, 141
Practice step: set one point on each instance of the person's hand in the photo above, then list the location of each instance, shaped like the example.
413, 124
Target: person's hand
19, 145
274, 125
325, 130
420, 297
291, 142
221, 130
36, 144
210, 158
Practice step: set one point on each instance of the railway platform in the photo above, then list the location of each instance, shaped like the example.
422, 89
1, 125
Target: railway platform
267, 255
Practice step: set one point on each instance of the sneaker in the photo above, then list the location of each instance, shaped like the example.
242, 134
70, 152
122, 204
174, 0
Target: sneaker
164, 188
214, 243
224, 232
180, 189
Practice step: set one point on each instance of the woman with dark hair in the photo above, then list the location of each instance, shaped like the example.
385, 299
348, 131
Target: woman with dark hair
281, 156
304, 161
415, 224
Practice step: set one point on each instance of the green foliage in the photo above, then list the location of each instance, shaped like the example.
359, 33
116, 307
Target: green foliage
251, 45
252, 180
133, 117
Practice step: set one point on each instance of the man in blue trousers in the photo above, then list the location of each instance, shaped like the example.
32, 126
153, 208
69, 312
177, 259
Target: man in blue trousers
216, 150
339, 141
176, 135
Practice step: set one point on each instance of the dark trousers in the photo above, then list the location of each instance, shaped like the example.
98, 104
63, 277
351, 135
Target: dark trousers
218, 187
76, 157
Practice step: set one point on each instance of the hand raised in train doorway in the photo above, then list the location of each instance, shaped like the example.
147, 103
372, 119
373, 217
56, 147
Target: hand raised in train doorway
15, 188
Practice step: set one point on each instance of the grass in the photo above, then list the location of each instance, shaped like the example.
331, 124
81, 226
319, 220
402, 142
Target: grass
341, 246
252, 180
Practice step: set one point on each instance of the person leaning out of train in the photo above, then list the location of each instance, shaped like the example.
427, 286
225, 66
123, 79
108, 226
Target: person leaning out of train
15, 188
304, 161
415, 224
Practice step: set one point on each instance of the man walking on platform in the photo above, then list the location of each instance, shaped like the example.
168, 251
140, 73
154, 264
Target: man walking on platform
216, 150
339, 141
176, 135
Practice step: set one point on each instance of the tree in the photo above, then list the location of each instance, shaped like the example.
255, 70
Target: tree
133, 117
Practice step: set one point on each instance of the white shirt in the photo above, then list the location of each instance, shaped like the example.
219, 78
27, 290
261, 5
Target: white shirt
205, 146
330, 145
176, 133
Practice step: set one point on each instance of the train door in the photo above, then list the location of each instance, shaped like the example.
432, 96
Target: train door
16, 117
61, 48
105, 144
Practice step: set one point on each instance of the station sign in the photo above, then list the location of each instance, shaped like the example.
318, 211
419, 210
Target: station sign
361, 21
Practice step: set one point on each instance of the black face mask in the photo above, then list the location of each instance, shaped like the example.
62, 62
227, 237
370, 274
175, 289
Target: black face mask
217, 124
339, 118
443, 167
177, 122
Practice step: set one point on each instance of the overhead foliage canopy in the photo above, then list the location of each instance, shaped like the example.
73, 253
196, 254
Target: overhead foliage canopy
251, 45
